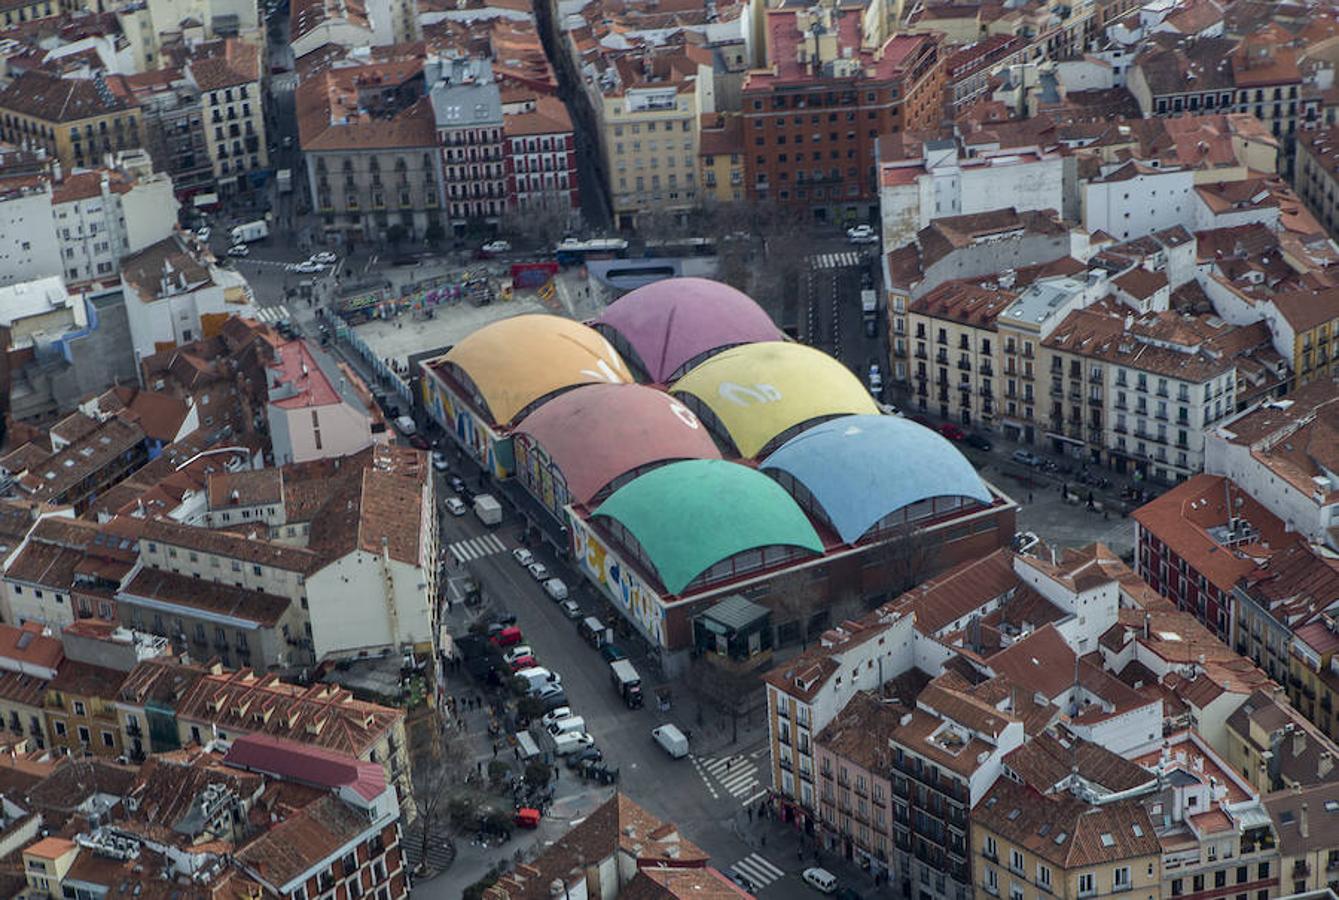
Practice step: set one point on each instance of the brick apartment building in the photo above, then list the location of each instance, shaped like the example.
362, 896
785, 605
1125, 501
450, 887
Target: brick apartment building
813, 118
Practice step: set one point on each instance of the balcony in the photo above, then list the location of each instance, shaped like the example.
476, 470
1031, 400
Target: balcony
921, 354
964, 365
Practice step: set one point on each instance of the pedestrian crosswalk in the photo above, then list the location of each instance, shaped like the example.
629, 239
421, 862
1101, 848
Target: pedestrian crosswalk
736, 775
272, 314
758, 871
838, 260
476, 548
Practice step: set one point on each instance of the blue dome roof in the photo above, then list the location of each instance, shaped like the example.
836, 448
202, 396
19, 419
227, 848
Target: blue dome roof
862, 468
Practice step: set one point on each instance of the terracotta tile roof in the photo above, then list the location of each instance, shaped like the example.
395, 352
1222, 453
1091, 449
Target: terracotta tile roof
861, 731
159, 414
949, 597
617, 825
249, 487
1052, 756
171, 259
222, 64
67, 788
331, 118
1322, 814
161, 680
969, 302
679, 883
212, 597
1305, 310
720, 134
23, 690
232, 546
29, 647
1140, 283
330, 718
548, 117
1065, 831
1182, 519
80, 679
53, 99
1040, 663
295, 845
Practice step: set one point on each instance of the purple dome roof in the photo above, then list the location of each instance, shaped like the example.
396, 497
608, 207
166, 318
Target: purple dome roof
674, 322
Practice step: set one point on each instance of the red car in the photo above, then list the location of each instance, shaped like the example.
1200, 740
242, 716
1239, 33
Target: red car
952, 432
507, 637
523, 662
527, 817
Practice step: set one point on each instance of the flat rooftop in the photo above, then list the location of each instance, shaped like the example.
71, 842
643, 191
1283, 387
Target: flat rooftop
402, 337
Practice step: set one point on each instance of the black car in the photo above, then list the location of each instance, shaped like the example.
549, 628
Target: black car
979, 441
594, 754
456, 484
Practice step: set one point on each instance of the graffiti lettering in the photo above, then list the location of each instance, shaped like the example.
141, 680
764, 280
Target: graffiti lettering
743, 395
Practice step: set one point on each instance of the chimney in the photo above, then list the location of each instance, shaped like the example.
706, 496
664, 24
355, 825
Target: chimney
1303, 824
1299, 743
1325, 765
1148, 624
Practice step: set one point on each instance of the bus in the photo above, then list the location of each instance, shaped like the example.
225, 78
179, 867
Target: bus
572, 252
677, 247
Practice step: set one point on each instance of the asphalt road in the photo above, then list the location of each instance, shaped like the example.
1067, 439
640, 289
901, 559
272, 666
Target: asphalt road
830, 313
705, 795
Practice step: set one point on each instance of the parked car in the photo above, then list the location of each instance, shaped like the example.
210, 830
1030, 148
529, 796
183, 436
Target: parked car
203, 234
1026, 457
495, 247
507, 637
455, 506
325, 257
551, 696
820, 880
456, 484
538, 571
523, 662
570, 609
979, 441
612, 653
875, 378
557, 715
593, 754
861, 234
239, 250
523, 556
439, 461
556, 588
516, 653
309, 267
952, 432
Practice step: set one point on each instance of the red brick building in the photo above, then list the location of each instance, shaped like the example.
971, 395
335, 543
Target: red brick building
1192, 547
813, 117
541, 158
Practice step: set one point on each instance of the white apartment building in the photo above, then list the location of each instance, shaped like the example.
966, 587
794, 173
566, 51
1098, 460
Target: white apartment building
28, 248
1133, 200
102, 215
228, 76
914, 192
175, 294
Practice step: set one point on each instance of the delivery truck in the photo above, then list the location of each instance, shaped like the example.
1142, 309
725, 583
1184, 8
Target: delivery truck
627, 682
284, 178
250, 231
488, 509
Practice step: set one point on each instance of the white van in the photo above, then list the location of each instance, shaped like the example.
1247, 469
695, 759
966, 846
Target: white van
406, 425
821, 880
563, 726
538, 678
571, 742
672, 740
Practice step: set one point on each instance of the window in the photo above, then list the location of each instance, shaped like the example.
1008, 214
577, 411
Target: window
992, 882
85, 736
79, 708
1087, 884
1043, 876
108, 740
60, 728
1263, 871
1120, 878
1178, 886
1016, 861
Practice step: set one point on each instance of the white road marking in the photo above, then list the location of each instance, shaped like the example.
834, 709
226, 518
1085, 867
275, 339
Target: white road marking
758, 870
475, 548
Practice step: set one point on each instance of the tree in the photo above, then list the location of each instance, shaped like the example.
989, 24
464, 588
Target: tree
733, 691
905, 559
435, 234
537, 773
396, 233
439, 779
540, 225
